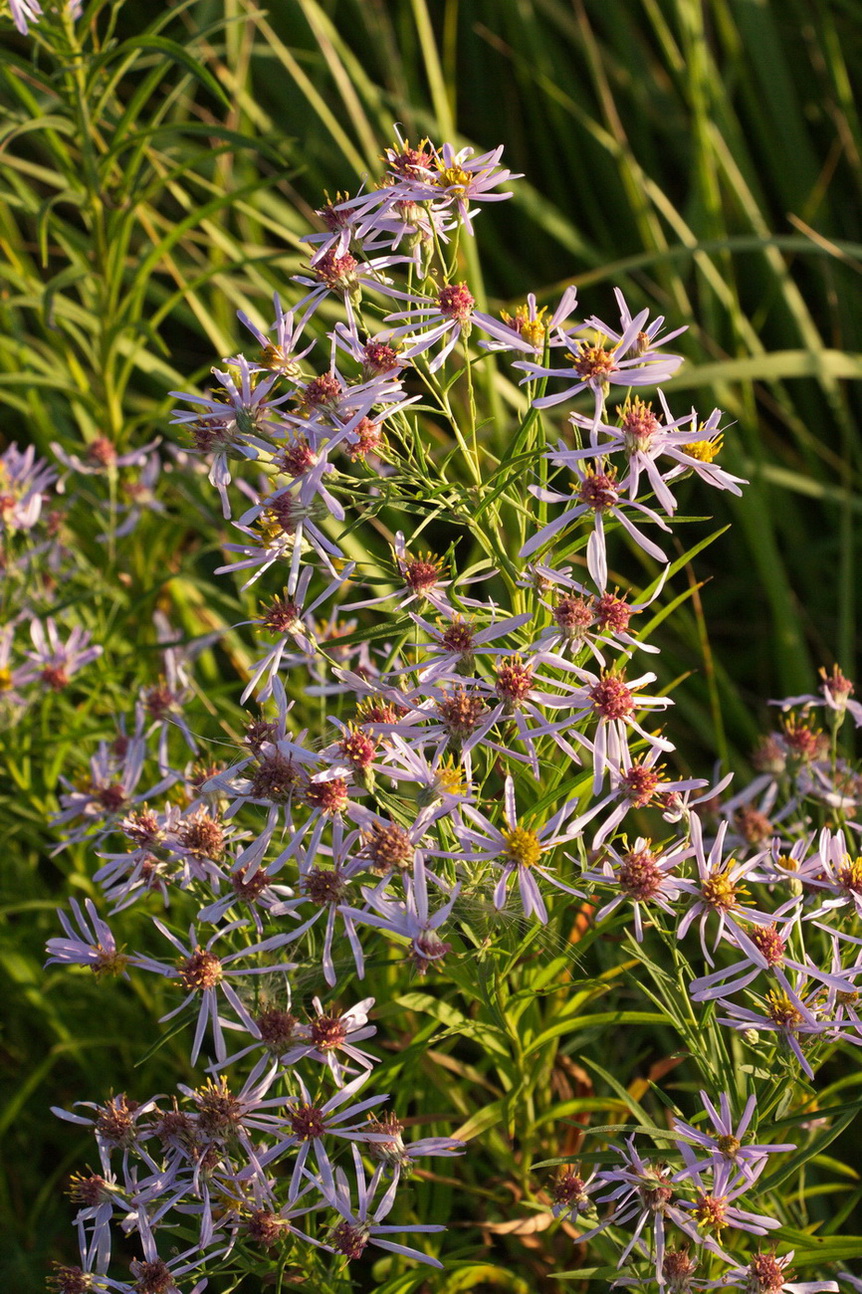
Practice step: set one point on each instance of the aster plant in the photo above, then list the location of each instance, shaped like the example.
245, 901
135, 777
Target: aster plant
459, 782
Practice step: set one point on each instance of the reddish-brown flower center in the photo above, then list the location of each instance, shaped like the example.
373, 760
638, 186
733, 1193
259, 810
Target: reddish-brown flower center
153, 1278
276, 1030
598, 490
115, 1123
203, 835
328, 1032
324, 886
611, 698
349, 1240
337, 272
378, 357
639, 875
330, 797
101, 452
460, 712
514, 680
769, 942
264, 1228
322, 392
639, 425
307, 1122
574, 615
593, 363
456, 302
388, 847
639, 784
202, 970
613, 613
219, 1110
274, 779
766, 1275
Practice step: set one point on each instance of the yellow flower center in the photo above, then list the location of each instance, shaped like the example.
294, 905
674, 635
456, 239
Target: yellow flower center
782, 1011
453, 179
728, 1145
719, 890
522, 847
5, 679
703, 450
532, 330
850, 874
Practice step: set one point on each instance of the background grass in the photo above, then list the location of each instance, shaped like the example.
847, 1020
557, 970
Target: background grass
704, 156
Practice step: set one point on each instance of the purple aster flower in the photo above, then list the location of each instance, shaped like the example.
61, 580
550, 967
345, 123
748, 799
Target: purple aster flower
347, 277
242, 426
631, 359
526, 330
835, 694
309, 1122
102, 457
724, 1144
361, 1224
54, 662
643, 1194
448, 315
204, 975
412, 919
720, 890
119, 1124
24, 478
583, 620
281, 355
793, 1017
571, 1191
642, 438
91, 945
516, 850
640, 877
598, 492
767, 1274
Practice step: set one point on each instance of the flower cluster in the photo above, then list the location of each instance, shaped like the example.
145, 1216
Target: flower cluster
473, 753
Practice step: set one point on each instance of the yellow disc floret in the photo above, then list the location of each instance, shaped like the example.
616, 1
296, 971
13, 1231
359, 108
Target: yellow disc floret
704, 450
522, 847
